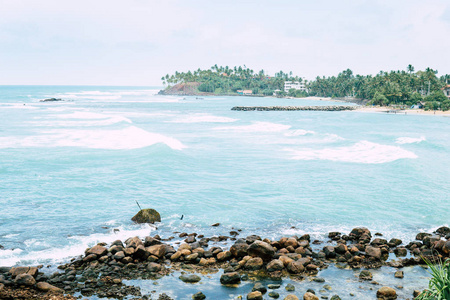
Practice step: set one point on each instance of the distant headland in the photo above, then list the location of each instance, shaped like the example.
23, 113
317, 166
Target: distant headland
401, 88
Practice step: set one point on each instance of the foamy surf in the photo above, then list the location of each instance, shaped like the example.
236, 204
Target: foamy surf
203, 118
409, 140
76, 246
121, 139
361, 152
256, 127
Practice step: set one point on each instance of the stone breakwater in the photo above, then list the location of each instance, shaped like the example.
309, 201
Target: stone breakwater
292, 108
102, 269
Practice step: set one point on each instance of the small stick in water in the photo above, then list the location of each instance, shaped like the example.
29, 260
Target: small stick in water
138, 205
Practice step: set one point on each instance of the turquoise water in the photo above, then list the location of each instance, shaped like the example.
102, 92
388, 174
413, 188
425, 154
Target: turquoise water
70, 172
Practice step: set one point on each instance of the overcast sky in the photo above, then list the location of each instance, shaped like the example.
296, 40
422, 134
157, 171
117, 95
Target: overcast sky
135, 42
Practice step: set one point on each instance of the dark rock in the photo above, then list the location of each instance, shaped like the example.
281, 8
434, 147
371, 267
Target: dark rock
273, 294
261, 249
259, 287
335, 297
400, 251
150, 241
275, 265
395, 242
273, 286
215, 224
329, 251
230, 278
399, 274
290, 287
252, 238
365, 275
239, 249
318, 279
198, 296
147, 215
420, 236
190, 278
443, 231
373, 252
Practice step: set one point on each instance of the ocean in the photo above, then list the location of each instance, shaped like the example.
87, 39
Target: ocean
71, 171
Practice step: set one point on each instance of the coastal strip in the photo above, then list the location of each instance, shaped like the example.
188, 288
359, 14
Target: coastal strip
292, 108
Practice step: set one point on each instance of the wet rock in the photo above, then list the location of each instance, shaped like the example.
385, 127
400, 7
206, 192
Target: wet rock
446, 248
252, 238
254, 263
360, 233
273, 286
154, 267
147, 215
119, 255
190, 278
318, 279
291, 297
290, 287
133, 242
386, 293
399, 274
273, 294
394, 242
329, 251
150, 241
157, 250
365, 275
225, 255
335, 297
443, 231
25, 279
430, 240
46, 287
275, 265
239, 249
190, 239
230, 278
373, 252
420, 236
198, 296
295, 267
261, 249
215, 224
310, 296
254, 296
259, 287
400, 251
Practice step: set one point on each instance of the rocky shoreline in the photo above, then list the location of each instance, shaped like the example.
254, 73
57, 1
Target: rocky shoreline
102, 270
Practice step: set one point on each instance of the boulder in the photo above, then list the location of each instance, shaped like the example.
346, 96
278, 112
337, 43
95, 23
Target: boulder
259, 287
290, 287
153, 267
386, 293
157, 250
25, 279
198, 296
295, 267
273, 294
133, 242
230, 278
373, 252
261, 249
254, 296
254, 263
98, 250
310, 296
399, 274
291, 297
239, 249
275, 265
47, 287
329, 251
365, 275
190, 278
147, 215
443, 231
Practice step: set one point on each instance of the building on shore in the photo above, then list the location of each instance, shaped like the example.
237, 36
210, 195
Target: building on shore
446, 90
245, 92
296, 85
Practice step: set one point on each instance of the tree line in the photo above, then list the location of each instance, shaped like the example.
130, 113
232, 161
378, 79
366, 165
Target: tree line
402, 87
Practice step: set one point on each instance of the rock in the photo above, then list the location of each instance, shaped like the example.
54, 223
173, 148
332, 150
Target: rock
215, 224
273, 294
261, 249
25, 279
147, 215
192, 257
416, 293
230, 278
190, 278
310, 296
150, 241
254, 296
157, 250
239, 249
295, 267
46, 287
198, 296
141, 253
443, 231
446, 248
119, 255
318, 279
225, 255
259, 287
395, 242
335, 297
98, 250
420, 236
386, 293
14, 271
373, 252
329, 251
254, 263
290, 288
252, 238
291, 297
273, 286
154, 267
399, 274
400, 251
275, 265
360, 233
365, 275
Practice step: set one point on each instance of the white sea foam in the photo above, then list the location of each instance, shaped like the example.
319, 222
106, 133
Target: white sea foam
409, 140
77, 245
361, 152
299, 132
79, 119
256, 127
128, 138
203, 118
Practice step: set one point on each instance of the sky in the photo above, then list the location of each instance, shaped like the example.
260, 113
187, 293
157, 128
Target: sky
136, 42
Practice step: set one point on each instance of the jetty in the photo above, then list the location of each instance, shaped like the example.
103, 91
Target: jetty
289, 108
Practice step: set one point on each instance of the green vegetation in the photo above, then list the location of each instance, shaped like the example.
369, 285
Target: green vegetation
404, 88
439, 285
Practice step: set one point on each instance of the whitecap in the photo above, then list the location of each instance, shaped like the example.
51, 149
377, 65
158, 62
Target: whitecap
257, 127
128, 138
361, 152
409, 140
299, 132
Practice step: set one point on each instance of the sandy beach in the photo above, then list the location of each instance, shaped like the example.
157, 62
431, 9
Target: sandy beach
378, 109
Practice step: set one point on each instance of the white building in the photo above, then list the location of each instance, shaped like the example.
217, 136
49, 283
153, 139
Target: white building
297, 85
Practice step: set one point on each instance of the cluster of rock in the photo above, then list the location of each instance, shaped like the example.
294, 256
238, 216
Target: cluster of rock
288, 108
51, 100
101, 270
